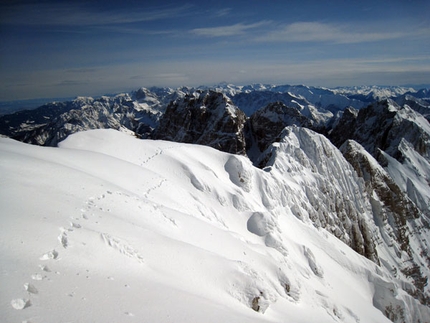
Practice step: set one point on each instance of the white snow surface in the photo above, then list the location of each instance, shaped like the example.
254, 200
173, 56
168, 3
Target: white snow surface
109, 228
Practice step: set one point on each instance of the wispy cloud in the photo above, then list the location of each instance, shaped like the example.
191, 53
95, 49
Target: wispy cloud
230, 30
302, 32
323, 32
222, 12
72, 14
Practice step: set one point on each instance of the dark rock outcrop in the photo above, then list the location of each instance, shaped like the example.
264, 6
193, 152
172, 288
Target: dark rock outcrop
205, 118
267, 124
381, 126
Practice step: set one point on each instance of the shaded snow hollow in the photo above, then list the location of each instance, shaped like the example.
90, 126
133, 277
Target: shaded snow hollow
108, 228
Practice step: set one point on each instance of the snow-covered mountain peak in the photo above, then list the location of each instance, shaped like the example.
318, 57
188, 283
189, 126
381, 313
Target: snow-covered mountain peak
273, 239
374, 93
132, 228
334, 195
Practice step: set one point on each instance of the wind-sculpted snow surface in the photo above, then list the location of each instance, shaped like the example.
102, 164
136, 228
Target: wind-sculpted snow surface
109, 228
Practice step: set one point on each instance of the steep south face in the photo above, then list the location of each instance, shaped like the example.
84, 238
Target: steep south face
404, 235
355, 199
399, 138
205, 118
325, 188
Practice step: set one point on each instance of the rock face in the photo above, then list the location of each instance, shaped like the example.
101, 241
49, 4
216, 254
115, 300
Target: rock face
382, 125
390, 151
333, 196
205, 118
399, 138
267, 124
401, 224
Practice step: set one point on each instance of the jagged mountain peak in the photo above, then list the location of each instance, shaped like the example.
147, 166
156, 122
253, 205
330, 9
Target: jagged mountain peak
142, 93
206, 118
381, 125
267, 124
399, 139
311, 165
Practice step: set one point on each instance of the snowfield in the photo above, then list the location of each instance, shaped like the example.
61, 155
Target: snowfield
109, 228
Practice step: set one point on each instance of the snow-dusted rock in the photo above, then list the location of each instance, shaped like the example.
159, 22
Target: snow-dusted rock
52, 123
327, 191
267, 124
205, 118
401, 224
399, 138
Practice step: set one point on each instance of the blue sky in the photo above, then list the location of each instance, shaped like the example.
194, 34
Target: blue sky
71, 48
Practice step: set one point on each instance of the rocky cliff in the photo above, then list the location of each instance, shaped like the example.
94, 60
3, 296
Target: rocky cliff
205, 118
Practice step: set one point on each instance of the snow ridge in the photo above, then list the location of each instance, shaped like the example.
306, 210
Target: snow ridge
146, 224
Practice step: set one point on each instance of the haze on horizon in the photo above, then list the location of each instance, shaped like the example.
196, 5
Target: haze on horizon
71, 48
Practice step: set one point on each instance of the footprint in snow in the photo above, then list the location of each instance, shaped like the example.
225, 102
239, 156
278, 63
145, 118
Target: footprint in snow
75, 225
31, 289
53, 254
63, 239
37, 277
20, 303
45, 268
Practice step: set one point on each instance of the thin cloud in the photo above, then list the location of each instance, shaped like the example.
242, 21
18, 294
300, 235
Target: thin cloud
223, 31
70, 14
321, 32
302, 32
222, 12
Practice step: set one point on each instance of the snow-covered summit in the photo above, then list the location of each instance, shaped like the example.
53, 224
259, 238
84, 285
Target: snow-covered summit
366, 189
119, 229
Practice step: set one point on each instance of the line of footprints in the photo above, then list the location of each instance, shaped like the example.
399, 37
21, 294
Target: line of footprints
45, 271
23, 303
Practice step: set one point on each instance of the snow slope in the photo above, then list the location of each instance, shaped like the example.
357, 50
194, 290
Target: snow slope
108, 228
